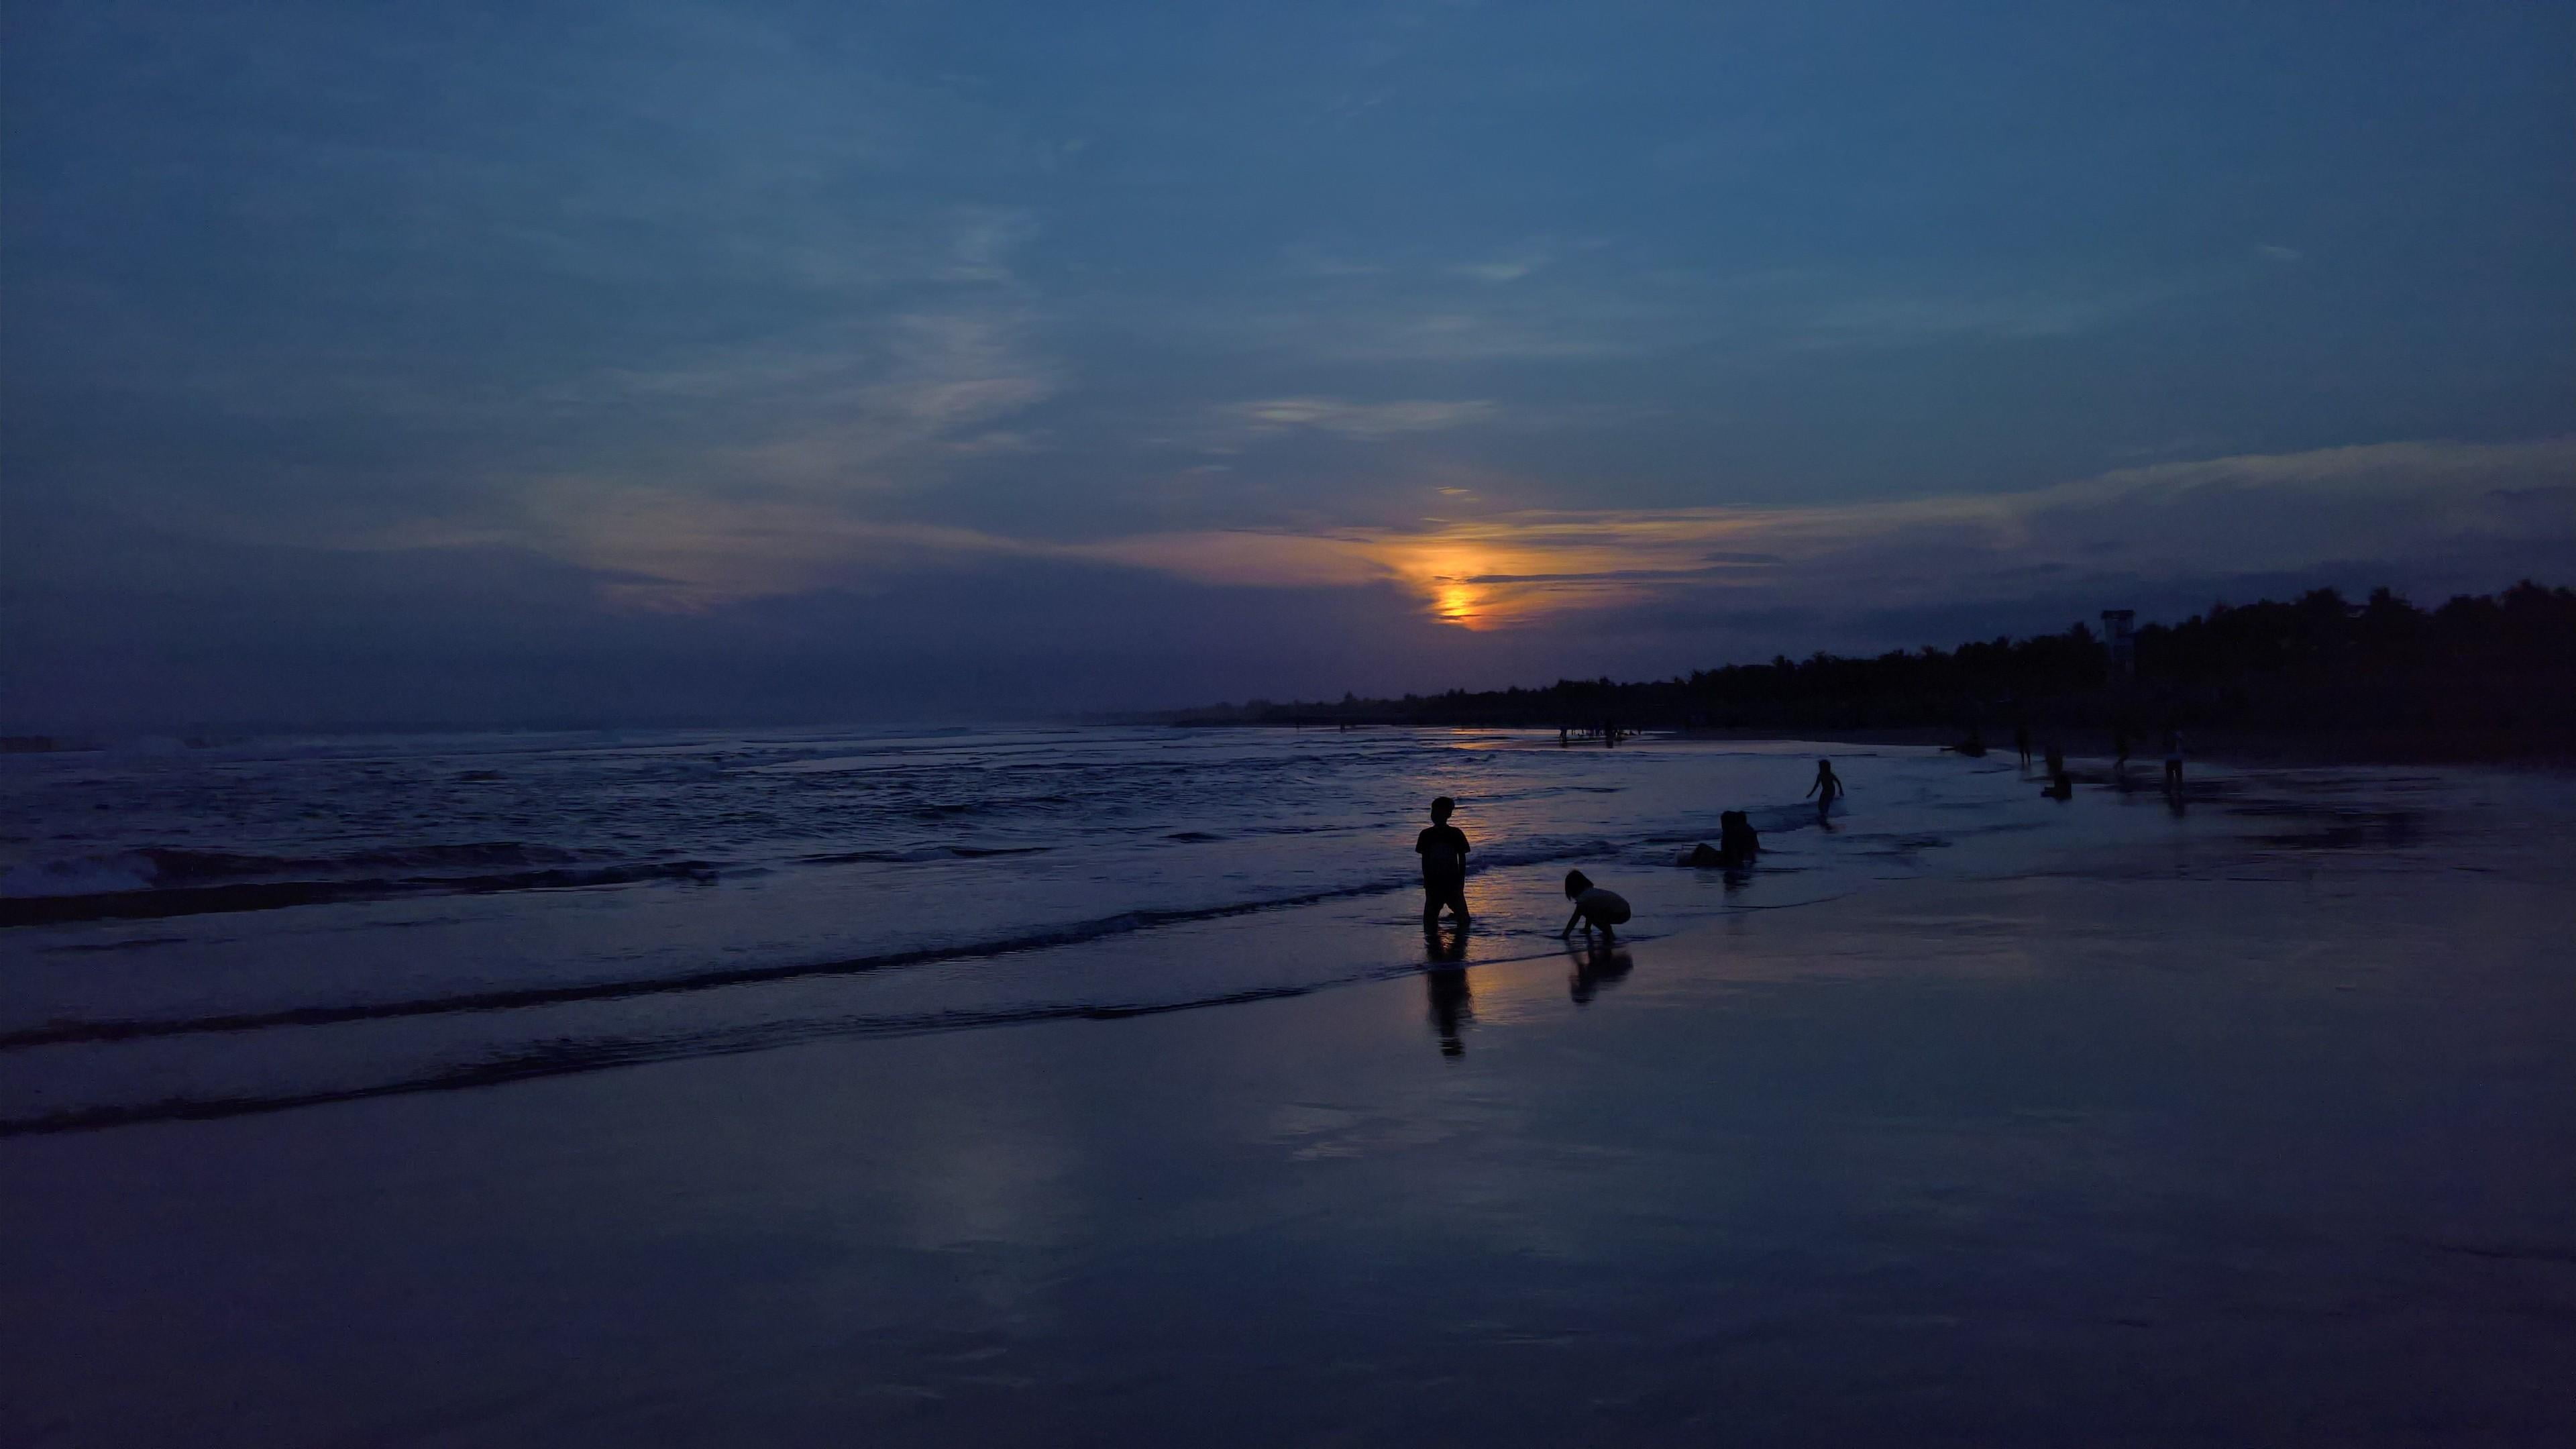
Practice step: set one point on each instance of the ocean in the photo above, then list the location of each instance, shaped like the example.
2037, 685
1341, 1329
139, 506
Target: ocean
194, 933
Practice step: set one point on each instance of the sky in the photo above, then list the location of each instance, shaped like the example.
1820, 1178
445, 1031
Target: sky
650, 361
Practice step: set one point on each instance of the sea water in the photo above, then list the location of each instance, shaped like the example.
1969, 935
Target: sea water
201, 932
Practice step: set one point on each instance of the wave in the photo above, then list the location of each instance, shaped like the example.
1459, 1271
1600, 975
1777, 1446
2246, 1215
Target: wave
563, 1058
156, 866
58, 1033
920, 853
61, 1032
148, 901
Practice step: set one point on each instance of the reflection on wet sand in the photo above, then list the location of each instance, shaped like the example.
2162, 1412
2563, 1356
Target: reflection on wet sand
1453, 1008
1597, 966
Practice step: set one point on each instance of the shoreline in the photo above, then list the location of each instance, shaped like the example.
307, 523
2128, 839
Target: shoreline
2537, 748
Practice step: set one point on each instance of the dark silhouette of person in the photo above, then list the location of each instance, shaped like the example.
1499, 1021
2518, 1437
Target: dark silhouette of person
1736, 846
1597, 965
1736, 842
2173, 760
2021, 742
2120, 754
1828, 787
1594, 908
1443, 849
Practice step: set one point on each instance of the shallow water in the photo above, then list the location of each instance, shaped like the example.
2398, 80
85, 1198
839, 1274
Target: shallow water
196, 933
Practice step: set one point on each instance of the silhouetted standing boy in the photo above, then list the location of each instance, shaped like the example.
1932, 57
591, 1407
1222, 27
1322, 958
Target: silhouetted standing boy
1443, 849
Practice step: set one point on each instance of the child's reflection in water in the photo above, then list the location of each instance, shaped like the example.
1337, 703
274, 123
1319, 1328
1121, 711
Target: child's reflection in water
1452, 1007
1597, 965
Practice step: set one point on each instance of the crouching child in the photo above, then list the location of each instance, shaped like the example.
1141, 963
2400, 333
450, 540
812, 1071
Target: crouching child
1594, 908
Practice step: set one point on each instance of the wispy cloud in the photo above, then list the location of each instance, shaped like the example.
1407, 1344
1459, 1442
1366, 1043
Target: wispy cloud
1507, 268
2242, 514
1897, 319
2245, 514
1365, 422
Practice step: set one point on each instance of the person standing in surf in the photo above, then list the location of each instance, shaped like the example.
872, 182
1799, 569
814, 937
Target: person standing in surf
1828, 787
1443, 849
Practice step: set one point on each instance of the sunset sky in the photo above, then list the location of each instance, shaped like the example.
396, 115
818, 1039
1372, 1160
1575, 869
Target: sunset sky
645, 361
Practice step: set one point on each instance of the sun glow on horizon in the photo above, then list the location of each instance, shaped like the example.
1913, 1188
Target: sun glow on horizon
668, 550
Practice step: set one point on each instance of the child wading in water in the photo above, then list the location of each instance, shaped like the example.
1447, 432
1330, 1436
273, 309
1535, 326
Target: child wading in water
1443, 849
1828, 787
1593, 906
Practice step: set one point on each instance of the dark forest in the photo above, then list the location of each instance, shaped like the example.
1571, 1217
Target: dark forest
2492, 672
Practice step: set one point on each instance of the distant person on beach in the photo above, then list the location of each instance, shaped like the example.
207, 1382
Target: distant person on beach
1736, 846
1594, 908
2021, 742
1828, 787
2061, 786
2173, 759
1736, 842
1443, 849
2120, 752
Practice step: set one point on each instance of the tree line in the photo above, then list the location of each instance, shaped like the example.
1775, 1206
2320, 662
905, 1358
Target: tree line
2505, 662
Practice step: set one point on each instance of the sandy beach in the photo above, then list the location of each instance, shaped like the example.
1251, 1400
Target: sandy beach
2161, 1147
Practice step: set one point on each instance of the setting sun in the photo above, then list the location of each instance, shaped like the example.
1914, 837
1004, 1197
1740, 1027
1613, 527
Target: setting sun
1457, 605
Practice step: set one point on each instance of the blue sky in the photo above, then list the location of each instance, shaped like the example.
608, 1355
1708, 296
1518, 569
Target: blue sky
658, 360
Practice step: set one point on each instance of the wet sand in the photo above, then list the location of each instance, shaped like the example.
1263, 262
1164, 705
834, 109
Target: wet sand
2104, 1157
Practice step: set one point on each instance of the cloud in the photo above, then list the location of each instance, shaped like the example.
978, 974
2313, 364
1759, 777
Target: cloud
885, 404
135, 628
1509, 268
1898, 320
1364, 422
672, 604
2251, 514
